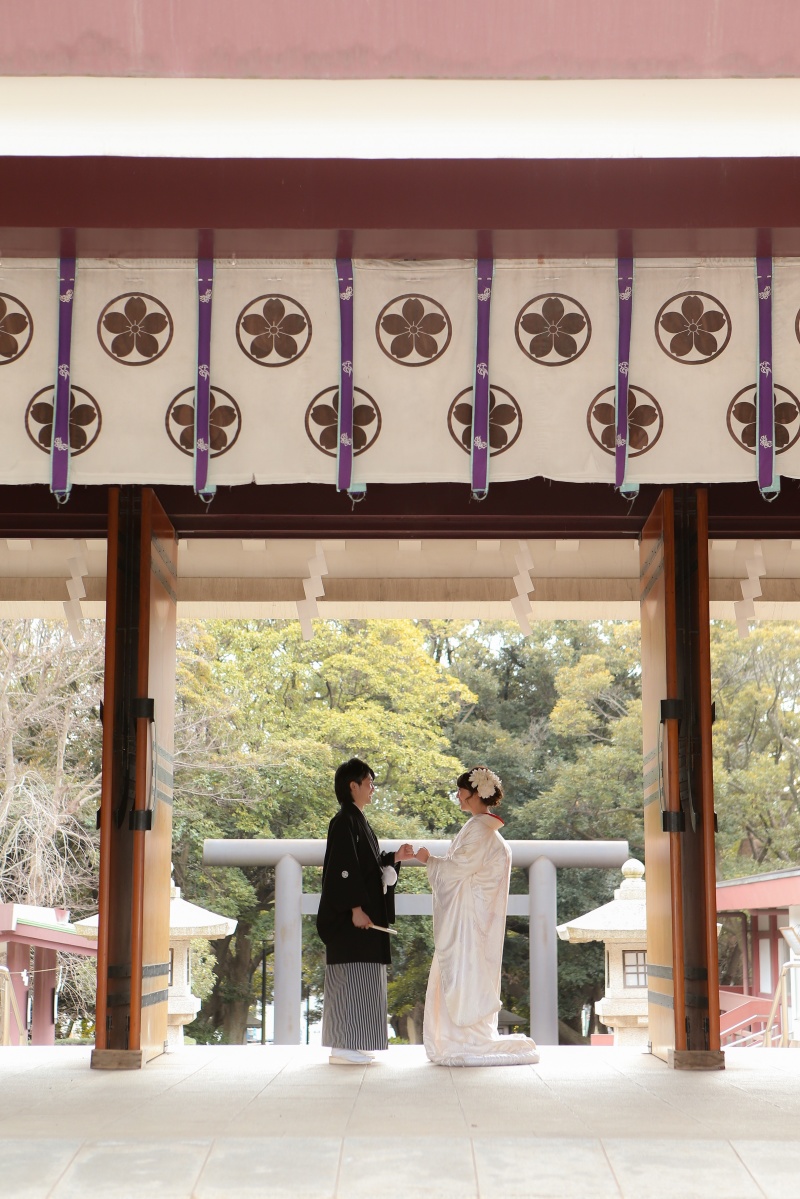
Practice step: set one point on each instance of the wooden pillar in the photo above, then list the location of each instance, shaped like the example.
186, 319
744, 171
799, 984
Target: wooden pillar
682, 963
136, 797
18, 961
43, 1016
746, 986
756, 954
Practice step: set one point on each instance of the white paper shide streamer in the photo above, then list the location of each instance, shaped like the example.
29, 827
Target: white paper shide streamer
522, 581
308, 608
78, 569
745, 608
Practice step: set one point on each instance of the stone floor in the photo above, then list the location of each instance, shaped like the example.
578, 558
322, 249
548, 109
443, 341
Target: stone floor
216, 1122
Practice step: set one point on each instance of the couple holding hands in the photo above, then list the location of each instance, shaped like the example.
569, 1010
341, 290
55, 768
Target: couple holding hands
470, 896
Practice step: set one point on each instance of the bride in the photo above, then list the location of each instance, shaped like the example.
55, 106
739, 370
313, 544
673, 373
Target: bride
470, 897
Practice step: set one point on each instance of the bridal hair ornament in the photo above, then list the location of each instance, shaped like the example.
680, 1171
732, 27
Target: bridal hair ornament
484, 781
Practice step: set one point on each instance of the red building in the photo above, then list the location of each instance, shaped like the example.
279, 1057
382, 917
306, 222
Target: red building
755, 909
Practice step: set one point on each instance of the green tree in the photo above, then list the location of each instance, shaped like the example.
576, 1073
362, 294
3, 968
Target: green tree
558, 715
264, 719
756, 691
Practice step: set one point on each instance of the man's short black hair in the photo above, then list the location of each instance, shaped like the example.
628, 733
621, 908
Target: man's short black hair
352, 771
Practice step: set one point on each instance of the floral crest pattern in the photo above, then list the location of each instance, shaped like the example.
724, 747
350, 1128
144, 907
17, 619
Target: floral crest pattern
741, 418
645, 421
505, 420
273, 330
413, 330
557, 326
225, 422
85, 420
135, 329
697, 324
15, 319
322, 421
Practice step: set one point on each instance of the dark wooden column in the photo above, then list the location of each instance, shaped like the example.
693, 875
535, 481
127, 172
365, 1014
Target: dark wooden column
683, 980
43, 1016
136, 801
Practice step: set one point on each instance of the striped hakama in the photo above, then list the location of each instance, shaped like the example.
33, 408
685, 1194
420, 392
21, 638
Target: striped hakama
354, 1006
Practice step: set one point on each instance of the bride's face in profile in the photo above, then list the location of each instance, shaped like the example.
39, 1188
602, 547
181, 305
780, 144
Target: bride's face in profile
466, 799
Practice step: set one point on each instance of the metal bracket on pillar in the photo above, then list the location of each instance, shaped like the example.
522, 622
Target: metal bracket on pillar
671, 709
673, 822
141, 821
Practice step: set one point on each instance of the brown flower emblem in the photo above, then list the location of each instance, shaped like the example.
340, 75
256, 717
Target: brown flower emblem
645, 421
280, 329
11, 324
741, 418
322, 421
416, 336
84, 412
693, 327
225, 423
558, 326
137, 333
505, 420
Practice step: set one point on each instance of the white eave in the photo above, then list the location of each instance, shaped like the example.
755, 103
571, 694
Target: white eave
400, 118
185, 920
188, 920
619, 920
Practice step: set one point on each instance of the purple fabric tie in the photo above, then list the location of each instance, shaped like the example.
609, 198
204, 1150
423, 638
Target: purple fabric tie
624, 317
60, 446
344, 445
202, 395
479, 453
769, 485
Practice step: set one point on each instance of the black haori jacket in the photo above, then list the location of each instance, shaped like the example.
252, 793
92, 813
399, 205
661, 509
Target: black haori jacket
351, 878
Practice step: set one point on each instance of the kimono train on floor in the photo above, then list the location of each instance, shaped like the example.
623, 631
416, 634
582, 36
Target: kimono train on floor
470, 897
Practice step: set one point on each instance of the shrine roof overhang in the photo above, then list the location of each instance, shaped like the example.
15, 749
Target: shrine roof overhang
760, 892
406, 168
41, 927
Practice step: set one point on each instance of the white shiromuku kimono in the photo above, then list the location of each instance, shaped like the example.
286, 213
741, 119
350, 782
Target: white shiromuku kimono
470, 897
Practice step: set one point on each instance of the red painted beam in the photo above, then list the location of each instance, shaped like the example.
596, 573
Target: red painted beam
530, 508
409, 208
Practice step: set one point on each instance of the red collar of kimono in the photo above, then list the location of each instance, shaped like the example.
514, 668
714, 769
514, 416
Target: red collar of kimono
496, 817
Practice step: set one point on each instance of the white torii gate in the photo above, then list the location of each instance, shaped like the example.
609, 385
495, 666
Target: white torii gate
539, 858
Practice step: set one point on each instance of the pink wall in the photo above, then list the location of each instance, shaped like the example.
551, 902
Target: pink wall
401, 38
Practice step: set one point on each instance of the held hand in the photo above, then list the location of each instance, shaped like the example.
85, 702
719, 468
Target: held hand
422, 855
404, 853
361, 919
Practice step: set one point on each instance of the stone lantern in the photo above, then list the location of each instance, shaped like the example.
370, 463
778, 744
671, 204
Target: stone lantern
186, 921
622, 927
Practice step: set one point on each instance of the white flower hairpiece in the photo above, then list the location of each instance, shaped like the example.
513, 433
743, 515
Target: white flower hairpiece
484, 781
